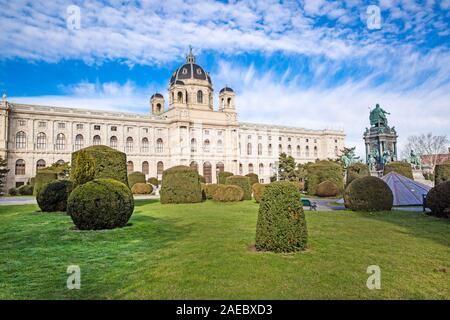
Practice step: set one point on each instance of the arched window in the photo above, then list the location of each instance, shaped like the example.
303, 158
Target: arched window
249, 148
261, 169
307, 151
240, 168
130, 166
60, 141
159, 168
40, 164
193, 145
180, 97
113, 142
144, 147
336, 151
269, 149
145, 167
219, 146
315, 151
229, 102
159, 145
289, 150
41, 141
206, 145
194, 165
199, 96
219, 168
158, 107
79, 141
207, 172
20, 167
250, 168
97, 140
280, 148
21, 140
298, 151
259, 149
129, 145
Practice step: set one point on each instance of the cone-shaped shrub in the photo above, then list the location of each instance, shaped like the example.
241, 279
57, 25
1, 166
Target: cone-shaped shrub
368, 194
258, 189
222, 177
141, 188
253, 178
281, 225
244, 183
401, 167
438, 200
180, 184
135, 177
327, 189
100, 204
357, 170
228, 193
53, 196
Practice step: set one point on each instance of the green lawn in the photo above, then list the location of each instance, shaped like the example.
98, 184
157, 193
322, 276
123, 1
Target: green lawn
199, 251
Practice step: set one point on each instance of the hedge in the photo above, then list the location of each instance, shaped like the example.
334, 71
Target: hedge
228, 193
327, 189
25, 190
12, 191
322, 171
281, 225
357, 170
141, 188
253, 178
180, 184
135, 177
222, 177
201, 178
299, 185
243, 182
368, 194
42, 178
210, 189
100, 204
153, 181
438, 200
400, 167
53, 196
258, 190
97, 162
442, 173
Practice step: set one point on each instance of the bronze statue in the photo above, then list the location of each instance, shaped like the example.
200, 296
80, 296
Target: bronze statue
378, 117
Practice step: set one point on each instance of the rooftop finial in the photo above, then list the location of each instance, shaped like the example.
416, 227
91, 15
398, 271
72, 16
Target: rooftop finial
4, 97
190, 58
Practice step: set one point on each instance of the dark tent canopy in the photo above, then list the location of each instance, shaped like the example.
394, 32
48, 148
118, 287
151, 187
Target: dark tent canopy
406, 192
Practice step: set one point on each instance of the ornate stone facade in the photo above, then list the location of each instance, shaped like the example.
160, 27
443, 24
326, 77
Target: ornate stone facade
189, 132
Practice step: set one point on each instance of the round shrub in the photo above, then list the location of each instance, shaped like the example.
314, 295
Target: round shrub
97, 162
299, 185
442, 173
253, 178
53, 196
180, 184
327, 189
357, 170
222, 177
201, 178
141, 188
210, 189
153, 181
438, 200
43, 177
135, 177
401, 167
12, 191
25, 190
258, 189
243, 182
368, 194
322, 171
228, 193
100, 204
281, 225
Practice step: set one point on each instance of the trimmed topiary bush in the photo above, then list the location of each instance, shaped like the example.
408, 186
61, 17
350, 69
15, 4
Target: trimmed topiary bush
12, 191
141, 188
25, 190
357, 170
327, 189
42, 178
253, 178
31, 181
322, 171
281, 225
210, 189
53, 196
201, 178
180, 184
299, 185
97, 162
368, 194
100, 204
222, 177
153, 181
442, 173
228, 193
258, 189
135, 177
438, 200
401, 167
243, 182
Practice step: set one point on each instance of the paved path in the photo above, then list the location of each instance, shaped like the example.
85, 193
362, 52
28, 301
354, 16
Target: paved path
32, 200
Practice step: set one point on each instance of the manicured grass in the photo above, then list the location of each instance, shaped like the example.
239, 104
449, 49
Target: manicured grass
200, 251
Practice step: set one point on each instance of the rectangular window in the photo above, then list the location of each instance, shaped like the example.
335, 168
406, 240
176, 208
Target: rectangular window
42, 124
79, 126
129, 129
113, 128
61, 125
145, 130
22, 122
96, 127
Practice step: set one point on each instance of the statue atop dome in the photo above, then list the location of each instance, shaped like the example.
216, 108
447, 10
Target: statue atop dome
190, 58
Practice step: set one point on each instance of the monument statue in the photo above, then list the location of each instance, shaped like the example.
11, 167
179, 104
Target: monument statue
371, 162
415, 159
386, 156
378, 117
348, 157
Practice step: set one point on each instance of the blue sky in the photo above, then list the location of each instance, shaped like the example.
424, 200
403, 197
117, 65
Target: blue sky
314, 64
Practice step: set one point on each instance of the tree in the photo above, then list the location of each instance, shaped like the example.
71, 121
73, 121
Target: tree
426, 145
289, 170
3, 172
